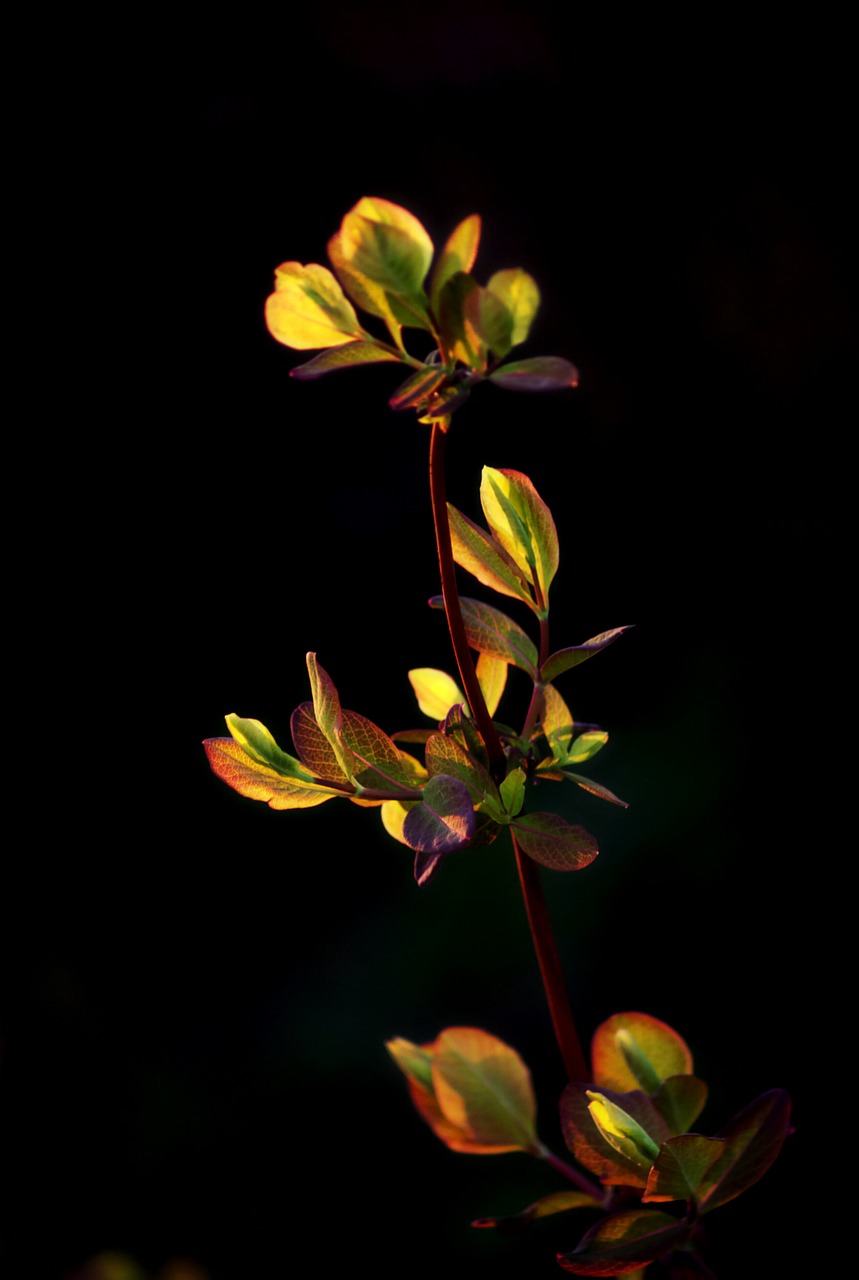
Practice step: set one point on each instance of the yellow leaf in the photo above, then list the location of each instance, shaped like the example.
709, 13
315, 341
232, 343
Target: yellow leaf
308, 308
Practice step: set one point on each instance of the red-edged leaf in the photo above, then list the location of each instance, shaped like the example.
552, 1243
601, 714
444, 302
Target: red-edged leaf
540, 373
564, 659
553, 842
490, 631
484, 557
752, 1141
347, 357
637, 1051
257, 781
418, 387
442, 822
623, 1242
444, 755
312, 745
555, 1202
681, 1168
590, 1147
458, 255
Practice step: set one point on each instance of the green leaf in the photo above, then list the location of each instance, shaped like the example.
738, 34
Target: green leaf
564, 659
458, 255
557, 721
257, 781
378, 762
680, 1100
585, 746
350, 355
521, 298
459, 338
442, 822
637, 1051
382, 244
681, 1168
484, 1087
539, 373
752, 1141
553, 842
418, 388
484, 557
546, 1206
491, 321
490, 631
590, 1147
492, 678
255, 739
327, 712
520, 520
621, 1131
444, 755
595, 788
513, 792
625, 1241
308, 308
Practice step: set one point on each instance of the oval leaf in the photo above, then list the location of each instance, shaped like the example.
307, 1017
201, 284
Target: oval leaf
490, 631
458, 254
540, 373
637, 1051
520, 520
309, 309
521, 298
564, 659
443, 821
349, 356
624, 1242
484, 1088
752, 1141
553, 842
257, 782
484, 557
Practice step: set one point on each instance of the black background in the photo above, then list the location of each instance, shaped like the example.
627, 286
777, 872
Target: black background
198, 989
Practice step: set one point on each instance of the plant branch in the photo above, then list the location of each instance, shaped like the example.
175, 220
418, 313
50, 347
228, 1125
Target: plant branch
453, 612
550, 966
567, 1171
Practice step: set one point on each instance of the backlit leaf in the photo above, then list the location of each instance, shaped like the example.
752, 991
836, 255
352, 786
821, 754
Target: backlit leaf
443, 821
520, 520
435, 691
521, 298
458, 254
308, 308
585, 746
591, 1148
595, 788
513, 791
257, 781
255, 739
327, 712
680, 1100
378, 762
682, 1167
539, 373
484, 1088
752, 1140
564, 659
394, 816
484, 557
553, 842
546, 1206
637, 1051
418, 387
382, 243
444, 755
492, 678
557, 721
623, 1242
490, 631
350, 355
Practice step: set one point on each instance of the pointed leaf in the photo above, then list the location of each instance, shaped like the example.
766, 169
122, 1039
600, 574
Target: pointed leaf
417, 389
595, 788
521, 298
752, 1140
458, 336
378, 762
622, 1131
637, 1051
394, 816
680, 1100
585, 746
327, 712
484, 557
458, 726
443, 821
492, 678
255, 739
513, 791
555, 1202
490, 631
484, 1088
520, 520
308, 308
435, 691
257, 781
350, 355
540, 373
564, 659
557, 720
313, 747
415, 1062
491, 321
553, 842
458, 254
369, 295
382, 244
681, 1168
623, 1242
444, 755
591, 1148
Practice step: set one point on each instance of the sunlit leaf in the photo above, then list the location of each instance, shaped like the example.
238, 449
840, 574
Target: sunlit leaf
622, 1131
415, 1062
595, 788
484, 1088
680, 1100
539, 373
308, 308
442, 822
484, 557
553, 842
589, 1145
623, 1242
255, 739
327, 713
382, 244
349, 356
491, 321
752, 1140
513, 791
444, 755
557, 720
257, 781
682, 1167
637, 1051
520, 520
492, 678
313, 747
521, 298
458, 254
564, 659
394, 816
546, 1206
490, 631
458, 335
585, 746
378, 762
435, 691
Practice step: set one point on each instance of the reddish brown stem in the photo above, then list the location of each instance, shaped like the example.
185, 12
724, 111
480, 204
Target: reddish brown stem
550, 965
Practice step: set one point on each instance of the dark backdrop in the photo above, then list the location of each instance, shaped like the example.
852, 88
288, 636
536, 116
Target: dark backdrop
199, 989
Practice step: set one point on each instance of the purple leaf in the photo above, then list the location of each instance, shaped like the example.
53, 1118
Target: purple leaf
539, 373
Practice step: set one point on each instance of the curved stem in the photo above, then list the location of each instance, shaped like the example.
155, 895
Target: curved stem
453, 612
550, 965
572, 1175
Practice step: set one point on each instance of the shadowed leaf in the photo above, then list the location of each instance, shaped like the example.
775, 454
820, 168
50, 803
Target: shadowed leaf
680, 1100
752, 1141
418, 387
312, 745
435, 691
564, 659
546, 1206
540, 373
637, 1051
458, 254
459, 338
591, 1148
491, 320
553, 842
490, 631
681, 1168
623, 1242
378, 762
443, 821
257, 781
348, 356
492, 678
